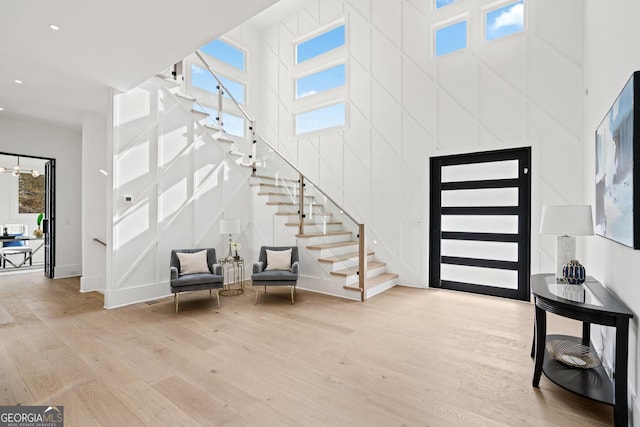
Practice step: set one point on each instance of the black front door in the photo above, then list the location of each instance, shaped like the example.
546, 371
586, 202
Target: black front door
49, 221
480, 222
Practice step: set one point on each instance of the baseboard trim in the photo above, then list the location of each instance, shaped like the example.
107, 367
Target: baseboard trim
117, 298
64, 271
91, 284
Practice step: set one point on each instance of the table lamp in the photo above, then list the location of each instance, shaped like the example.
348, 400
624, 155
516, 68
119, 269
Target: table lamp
566, 222
229, 226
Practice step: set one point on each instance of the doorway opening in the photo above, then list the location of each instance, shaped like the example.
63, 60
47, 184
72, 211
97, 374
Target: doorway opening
27, 216
480, 216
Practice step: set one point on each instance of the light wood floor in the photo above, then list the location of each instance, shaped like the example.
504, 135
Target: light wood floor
408, 357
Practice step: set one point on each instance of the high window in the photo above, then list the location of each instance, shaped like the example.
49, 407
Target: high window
443, 3
504, 21
321, 118
450, 38
319, 79
226, 53
320, 44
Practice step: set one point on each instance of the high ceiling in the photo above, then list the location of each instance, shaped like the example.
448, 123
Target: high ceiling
100, 45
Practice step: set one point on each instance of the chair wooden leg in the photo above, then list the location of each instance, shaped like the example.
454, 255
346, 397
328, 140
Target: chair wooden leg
176, 298
210, 296
292, 292
217, 297
257, 292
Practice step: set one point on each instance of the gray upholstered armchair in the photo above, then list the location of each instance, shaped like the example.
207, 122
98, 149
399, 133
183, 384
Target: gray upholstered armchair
193, 270
276, 266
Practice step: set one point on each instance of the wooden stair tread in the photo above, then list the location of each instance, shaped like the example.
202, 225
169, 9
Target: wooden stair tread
344, 257
354, 270
296, 213
291, 204
332, 245
380, 278
328, 233
273, 178
262, 184
271, 193
296, 224
352, 288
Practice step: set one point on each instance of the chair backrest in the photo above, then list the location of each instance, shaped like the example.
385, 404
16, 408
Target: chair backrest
211, 256
14, 230
263, 252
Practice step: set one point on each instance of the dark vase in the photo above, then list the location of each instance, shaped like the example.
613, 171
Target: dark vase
573, 272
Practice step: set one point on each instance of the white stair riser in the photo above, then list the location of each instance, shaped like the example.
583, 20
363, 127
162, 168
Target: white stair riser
350, 280
349, 263
285, 198
328, 253
320, 240
319, 228
381, 287
317, 210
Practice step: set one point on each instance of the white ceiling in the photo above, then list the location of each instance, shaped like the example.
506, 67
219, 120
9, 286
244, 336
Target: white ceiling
100, 45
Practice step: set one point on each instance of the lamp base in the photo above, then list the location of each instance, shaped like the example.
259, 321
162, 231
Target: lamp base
565, 252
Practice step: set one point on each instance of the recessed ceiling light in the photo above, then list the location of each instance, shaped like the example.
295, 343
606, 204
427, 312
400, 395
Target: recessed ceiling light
54, 27
18, 82
1, 109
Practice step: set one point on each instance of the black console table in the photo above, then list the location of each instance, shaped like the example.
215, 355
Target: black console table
594, 304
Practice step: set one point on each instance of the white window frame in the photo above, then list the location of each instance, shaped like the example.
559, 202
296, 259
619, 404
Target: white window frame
318, 32
448, 23
497, 5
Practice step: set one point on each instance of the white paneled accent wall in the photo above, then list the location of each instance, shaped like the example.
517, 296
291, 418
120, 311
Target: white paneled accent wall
404, 105
180, 184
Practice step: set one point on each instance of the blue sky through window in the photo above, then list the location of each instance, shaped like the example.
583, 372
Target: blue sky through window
319, 82
443, 3
322, 118
202, 79
451, 38
505, 20
233, 125
226, 53
236, 88
320, 44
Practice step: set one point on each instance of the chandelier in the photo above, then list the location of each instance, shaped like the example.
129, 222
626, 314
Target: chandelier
16, 170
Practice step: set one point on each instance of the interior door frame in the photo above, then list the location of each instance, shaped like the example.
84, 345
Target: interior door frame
50, 201
523, 210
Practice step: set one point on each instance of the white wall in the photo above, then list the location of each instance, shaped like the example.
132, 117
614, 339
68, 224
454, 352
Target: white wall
180, 184
404, 106
95, 190
64, 145
611, 29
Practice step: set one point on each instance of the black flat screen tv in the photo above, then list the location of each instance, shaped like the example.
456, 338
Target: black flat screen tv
617, 178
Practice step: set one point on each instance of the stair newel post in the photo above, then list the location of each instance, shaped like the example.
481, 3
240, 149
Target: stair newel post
301, 205
362, 262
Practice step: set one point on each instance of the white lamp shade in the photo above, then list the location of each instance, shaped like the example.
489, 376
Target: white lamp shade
567, 220
229, 226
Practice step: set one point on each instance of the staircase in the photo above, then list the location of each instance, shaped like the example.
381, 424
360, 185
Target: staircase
328, 239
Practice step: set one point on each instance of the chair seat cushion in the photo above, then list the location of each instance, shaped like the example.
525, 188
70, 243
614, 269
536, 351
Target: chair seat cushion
197, 279
273, 275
